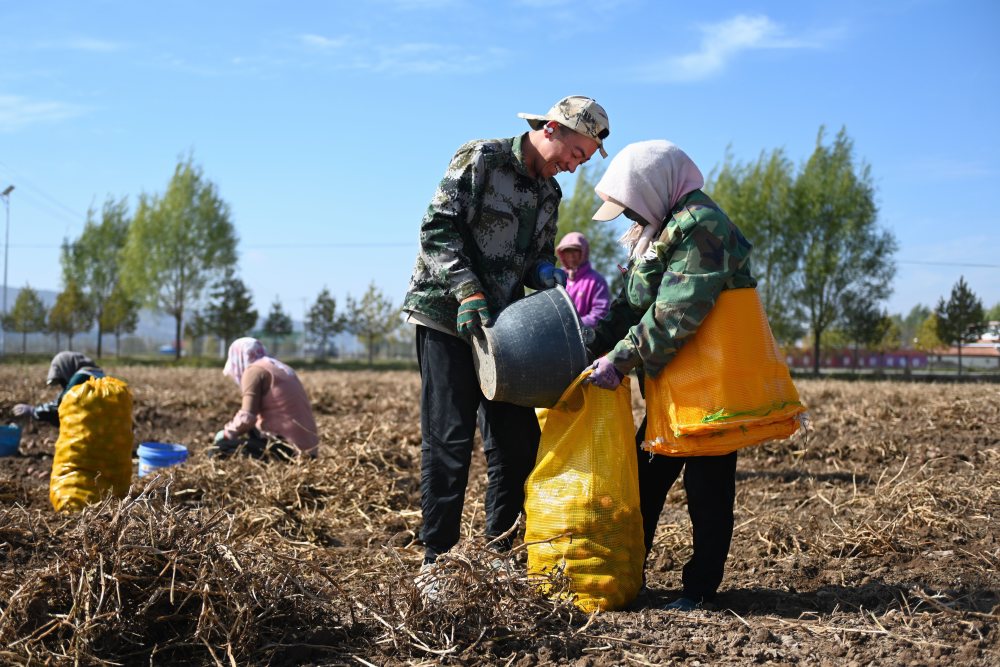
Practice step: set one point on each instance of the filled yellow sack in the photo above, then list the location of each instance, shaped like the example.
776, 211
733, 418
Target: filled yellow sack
727, 388
582, 498
94, 450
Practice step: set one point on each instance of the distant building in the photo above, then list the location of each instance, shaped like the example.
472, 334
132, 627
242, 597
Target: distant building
900, 360
984, 355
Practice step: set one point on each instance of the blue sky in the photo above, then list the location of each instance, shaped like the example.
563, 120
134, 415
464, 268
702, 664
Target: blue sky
327, 125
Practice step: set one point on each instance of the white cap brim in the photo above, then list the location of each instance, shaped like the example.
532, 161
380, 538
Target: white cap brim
609, 210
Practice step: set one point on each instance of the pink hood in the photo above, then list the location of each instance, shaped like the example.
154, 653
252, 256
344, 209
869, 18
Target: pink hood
574, 240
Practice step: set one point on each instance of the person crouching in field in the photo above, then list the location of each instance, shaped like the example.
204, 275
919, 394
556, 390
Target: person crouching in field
67, 370
275, 419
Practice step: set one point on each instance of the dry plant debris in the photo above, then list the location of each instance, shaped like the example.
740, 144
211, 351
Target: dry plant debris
871, 538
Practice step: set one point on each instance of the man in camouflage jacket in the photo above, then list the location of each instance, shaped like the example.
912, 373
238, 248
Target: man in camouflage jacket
488, 233
694, 252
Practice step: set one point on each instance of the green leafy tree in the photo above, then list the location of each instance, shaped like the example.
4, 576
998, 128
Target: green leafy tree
836, 339
93, 261
993, 314
909, 326
71, 314
864, 324
120, 316
278, 325
178, 244
843, 249
372, 319
230, 313
576, 215
196, 327
758, 198
892, 337
27, 316
401, 343
323, 322
926, 337
961, 318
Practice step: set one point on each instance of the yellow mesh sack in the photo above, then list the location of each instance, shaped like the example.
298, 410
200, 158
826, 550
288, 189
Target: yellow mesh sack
582, 498
727, 388
94, 450
541, 414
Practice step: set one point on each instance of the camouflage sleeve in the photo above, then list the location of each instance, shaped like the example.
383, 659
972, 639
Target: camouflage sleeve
442, 243
547, 252
686, 279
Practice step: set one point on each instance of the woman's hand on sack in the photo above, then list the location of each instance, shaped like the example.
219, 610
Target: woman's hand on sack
604, 374
22, 410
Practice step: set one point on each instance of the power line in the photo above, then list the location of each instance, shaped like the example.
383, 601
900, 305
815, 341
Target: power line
362, 244
267, 246
402, 244
958, 264
22, 181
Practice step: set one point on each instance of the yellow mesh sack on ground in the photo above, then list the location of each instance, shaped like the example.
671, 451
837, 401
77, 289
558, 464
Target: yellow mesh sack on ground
94, 449
582, 498
727, 388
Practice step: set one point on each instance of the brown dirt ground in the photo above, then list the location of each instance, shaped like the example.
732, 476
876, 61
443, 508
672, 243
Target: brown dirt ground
872, 538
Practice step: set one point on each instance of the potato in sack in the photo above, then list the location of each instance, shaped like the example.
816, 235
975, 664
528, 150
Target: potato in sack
582, 498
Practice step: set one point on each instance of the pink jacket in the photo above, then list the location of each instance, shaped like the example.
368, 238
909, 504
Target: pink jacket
285, 409
588, 288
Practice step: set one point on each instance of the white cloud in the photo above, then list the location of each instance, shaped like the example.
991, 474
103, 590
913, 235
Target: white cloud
17, 112
98, 45
424, 58
82, 44
405, 58
323, 43
422, 5
947, 169
720, 44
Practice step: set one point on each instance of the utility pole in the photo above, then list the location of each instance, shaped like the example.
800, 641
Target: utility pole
6, 245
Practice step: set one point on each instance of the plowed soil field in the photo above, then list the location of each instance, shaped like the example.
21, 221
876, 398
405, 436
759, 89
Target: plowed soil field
871, 538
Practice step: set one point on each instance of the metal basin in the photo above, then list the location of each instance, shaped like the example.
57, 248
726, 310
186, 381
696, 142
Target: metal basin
533, 351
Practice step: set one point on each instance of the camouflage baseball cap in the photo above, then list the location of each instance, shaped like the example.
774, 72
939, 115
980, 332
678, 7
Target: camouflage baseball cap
578, 113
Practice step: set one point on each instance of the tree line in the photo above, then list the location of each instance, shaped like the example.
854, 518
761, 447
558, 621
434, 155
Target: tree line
176, 254
823, 263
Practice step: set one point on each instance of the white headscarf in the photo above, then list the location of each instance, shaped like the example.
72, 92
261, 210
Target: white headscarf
65, 365
648, 177
242, 353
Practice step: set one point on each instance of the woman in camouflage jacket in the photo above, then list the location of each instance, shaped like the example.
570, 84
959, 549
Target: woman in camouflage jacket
684, 251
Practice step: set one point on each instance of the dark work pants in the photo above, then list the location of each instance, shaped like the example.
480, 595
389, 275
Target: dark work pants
450, 401
710, 484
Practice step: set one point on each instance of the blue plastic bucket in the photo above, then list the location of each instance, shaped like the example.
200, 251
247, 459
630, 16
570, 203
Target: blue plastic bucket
10, 439
153, 455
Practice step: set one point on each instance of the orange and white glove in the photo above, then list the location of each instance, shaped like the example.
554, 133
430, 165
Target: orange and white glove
473, 315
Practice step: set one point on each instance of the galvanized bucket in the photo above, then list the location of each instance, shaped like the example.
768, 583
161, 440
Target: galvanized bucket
533, 351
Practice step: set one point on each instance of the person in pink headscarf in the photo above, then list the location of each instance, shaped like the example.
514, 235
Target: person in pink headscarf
684, 251
588, 288
275, 419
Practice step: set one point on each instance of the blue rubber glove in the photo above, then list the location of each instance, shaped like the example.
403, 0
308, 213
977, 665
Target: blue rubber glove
473, 315
604, 374
549, 276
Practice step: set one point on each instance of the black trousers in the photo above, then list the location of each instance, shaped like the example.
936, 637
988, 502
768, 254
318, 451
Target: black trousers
450, 404
710, 484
